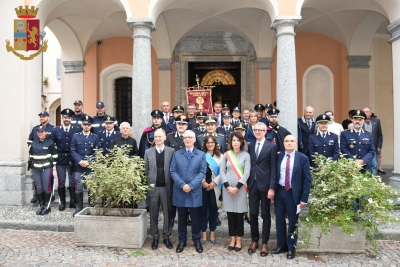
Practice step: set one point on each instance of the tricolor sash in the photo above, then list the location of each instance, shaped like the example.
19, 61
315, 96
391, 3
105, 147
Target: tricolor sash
212, 163
237, 169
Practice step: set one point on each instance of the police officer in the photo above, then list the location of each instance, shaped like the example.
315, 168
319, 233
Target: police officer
356, 143
82, 146
259, 108
323, 142
201, 127
100, 118
210, 122
176, 111
226, 108
62, 137
279, 132
44, 121
227, 128
175, 140
241, 128
78, 114
147, 139
107, 135
236, 116
42, 157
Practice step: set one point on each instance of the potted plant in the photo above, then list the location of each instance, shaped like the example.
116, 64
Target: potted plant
345, 207
45, 80
116, 184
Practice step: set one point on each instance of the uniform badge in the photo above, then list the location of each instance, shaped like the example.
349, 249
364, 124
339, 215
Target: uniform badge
351, 146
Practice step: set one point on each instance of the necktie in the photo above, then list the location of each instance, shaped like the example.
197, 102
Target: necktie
359, 133
323, 135
189, 153
309, 124
257, 150
287, 174
181, 137
66, 130
166, 118
226, 129
159, 151
202, 130
86, 135
108, 134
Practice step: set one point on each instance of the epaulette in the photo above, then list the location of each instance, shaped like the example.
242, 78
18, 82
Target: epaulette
60, 126
148, 129
220, 134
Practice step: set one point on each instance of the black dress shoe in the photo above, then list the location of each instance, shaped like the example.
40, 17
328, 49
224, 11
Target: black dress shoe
189, 222
154, 245
278, 250
237, 249
199, 247
290, 254
218, 222
381, 172
230, 248
180, 247
168, 243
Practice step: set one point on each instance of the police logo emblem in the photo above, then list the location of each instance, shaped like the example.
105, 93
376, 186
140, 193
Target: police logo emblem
108, 118
156, 111
323, 117
67, 111
273, 110
87, 117
358, 112
351, 146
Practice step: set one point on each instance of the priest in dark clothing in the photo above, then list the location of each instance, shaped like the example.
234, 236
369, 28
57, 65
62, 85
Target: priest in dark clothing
125, 139
279, 131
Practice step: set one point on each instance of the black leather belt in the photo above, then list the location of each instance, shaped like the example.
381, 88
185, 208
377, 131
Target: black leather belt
64, 154
283, 187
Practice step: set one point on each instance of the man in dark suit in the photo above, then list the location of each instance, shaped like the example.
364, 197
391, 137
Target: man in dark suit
261, 184
157, 163
306, 125
188, 168
293, 184
356, 143
373, 125
323, 142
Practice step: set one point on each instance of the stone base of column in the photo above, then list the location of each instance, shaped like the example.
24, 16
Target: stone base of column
394, 181
12, 182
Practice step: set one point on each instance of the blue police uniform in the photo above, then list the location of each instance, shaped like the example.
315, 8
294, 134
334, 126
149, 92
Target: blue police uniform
357, 146
76, 120
106, 139
236, 122
33, 135
327, 146
99, 123
199, 131
226, 132
66, 164
220, 140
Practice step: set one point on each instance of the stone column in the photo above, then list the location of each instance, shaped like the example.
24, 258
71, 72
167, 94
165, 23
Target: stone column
164, 70
141, 75
264, 80
72, 83
286, 83
359, 81
394, 29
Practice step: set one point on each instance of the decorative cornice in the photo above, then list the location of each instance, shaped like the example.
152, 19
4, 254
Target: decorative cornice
394, 29
358, 62
264, 63
141, 27
285, 25
164, 64
73, 66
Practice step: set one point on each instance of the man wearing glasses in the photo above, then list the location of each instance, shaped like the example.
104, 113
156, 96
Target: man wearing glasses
191, 108
261, 184
188, 168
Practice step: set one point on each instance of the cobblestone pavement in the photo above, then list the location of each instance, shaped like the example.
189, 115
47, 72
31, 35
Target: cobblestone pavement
29, 248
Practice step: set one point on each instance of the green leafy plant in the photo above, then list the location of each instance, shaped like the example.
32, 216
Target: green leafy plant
343, 196
45, 79
116, 181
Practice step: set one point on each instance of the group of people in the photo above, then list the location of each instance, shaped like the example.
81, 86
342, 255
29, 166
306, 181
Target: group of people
196, 160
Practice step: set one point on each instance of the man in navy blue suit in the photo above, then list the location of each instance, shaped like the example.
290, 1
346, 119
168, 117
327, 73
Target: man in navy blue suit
293, 184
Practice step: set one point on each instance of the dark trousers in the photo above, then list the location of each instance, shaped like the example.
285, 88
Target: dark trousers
208, 213
284, 205
182, 227
160, 198
43, 180
255, 197
235, 224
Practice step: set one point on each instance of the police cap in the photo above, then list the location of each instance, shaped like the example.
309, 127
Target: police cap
210, 119
44, 113
157, 113
201, 114
236, 109
239, 126
178, 109
226, 106
109, 119
41, 128
100, 105
268, 105
87, 120
358, 113
67, 112
323, 118
226, 115
273, 112
78, 102
259, 107
182, 119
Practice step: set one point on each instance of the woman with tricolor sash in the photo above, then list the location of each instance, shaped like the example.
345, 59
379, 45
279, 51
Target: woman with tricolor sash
211, 191
235, 170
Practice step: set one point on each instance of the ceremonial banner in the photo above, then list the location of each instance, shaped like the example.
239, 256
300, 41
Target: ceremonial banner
200, 97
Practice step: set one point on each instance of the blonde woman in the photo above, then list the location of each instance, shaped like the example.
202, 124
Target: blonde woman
253, 119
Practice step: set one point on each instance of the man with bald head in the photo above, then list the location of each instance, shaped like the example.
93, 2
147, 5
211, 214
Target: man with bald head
306, 125
293, 185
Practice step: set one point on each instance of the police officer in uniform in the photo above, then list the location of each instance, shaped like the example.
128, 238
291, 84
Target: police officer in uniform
227, 128
356, 143
279, 132
44, 121
236, 116
201, 127
62, 137
107, 135
210, 122
78, 114
176, 111
147, 139
226, 108
323, 142
42, 157
82, 146
175, 140
99, 120
259, 108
